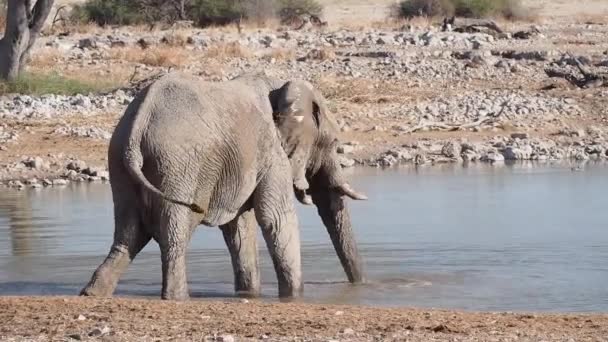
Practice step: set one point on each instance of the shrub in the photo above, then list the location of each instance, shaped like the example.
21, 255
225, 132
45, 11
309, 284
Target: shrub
291, 9
108, 12
431, 8
202, 12
38, 84
510, 9
217, 12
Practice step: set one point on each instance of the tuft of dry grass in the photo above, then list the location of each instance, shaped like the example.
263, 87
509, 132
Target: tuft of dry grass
281, 54
322, 54
162, 56
228, 50
176, 38
46, 57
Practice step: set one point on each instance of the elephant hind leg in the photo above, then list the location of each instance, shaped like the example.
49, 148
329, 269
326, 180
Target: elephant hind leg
129, 240
176, 225
240, 237
275, 212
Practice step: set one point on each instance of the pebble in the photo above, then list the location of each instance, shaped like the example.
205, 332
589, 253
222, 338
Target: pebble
225, 338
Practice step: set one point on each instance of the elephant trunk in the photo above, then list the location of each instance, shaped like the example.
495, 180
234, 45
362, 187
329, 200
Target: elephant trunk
327, 192
333, 210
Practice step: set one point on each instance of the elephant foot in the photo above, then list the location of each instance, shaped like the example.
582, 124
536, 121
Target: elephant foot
247, 294
175, 296
101, 285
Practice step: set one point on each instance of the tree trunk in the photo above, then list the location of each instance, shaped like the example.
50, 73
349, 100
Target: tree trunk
23, 25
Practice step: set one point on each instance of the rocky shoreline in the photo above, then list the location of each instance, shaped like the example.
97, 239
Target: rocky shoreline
130, 319
401, 93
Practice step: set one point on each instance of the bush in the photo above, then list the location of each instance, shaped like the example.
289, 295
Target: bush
432, 8
291, 9
36, 84
510, 9
108, 12
219, 12
202, 12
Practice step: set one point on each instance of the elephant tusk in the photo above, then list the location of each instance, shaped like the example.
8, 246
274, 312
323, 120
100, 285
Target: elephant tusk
346, 189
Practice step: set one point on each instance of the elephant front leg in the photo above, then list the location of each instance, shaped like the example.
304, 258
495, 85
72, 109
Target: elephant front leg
129, 239
275, 212
240, 237
175, 232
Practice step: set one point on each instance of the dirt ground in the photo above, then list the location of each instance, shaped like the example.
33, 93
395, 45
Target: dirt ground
128, 319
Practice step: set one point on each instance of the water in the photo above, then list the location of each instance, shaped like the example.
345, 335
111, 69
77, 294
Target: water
518, 237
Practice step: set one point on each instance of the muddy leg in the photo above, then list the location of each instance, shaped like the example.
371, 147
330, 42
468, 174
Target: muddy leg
240, 237
129, 239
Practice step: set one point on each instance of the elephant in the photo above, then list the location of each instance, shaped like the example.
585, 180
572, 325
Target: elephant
297, 120
189, 152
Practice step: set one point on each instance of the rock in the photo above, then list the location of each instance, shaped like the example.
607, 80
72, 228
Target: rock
514, 153
76, 337
450, 150
76, 165
339, 313
347, 331
60, 182
36, 163
520, 136
99, 332
492, 157
81, 318
344, 149
31, 181
47, 182
225, 338
87, 43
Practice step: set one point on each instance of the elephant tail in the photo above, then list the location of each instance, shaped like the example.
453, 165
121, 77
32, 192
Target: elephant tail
133, 157
134, 167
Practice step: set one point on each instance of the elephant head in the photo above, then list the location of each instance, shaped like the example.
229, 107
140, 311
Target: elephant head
310, 137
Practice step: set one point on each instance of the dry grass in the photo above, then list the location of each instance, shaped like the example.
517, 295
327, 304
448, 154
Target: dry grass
322, 54
176, 38
281, 54
162, 56
228, 50
46, 57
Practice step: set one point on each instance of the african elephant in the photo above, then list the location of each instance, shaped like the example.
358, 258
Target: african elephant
182, 155
309, 136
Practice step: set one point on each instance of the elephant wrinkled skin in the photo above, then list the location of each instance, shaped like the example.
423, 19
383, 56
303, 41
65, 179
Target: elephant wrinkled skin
188, 152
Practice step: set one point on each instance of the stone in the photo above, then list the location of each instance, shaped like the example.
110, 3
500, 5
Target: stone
225, 338
520, 136
76, 337
87, 43
99, 332
81, 318
36, 163
76, 165
450, 150
492, 157
347, 331
344, 149
47, 182
60, 182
